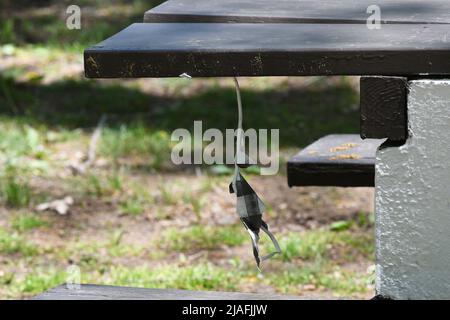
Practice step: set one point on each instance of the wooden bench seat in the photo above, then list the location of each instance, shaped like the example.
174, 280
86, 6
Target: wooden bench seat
343, 160
100, 292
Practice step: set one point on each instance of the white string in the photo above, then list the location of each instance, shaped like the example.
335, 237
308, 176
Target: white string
239, 141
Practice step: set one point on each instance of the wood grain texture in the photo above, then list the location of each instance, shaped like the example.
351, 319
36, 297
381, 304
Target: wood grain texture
228, 49
299, 11
343, 160
383, 108
99, 292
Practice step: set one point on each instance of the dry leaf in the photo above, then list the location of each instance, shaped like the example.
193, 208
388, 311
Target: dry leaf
61, 206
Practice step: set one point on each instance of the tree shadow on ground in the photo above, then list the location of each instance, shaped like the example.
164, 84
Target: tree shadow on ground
301, 114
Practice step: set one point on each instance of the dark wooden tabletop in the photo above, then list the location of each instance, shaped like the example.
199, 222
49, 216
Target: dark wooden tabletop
237, 49
299, 11
304, 38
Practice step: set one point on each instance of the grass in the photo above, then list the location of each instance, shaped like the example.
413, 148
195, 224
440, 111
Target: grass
318, 271
294, 117
195, 277
16, 194
201, 237
167, 197
17, 23
317, 244
116, 180
97, 184
136, 139
202, 276
27, 222
320, 268
146, 130
18, 140
12, 243
39, 281
322, 277
90, 255
196, 201
132, 206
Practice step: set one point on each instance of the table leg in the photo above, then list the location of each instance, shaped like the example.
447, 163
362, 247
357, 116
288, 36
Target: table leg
412, 200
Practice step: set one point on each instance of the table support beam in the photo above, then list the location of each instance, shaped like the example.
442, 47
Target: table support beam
412, 200
383, 107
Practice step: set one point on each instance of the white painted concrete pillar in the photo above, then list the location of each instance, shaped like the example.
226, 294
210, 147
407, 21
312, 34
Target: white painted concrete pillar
412, 200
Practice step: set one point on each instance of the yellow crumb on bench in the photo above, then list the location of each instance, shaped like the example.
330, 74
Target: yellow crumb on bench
352, 156
344, 146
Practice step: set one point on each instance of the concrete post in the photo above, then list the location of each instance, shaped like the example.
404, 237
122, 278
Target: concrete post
412, 200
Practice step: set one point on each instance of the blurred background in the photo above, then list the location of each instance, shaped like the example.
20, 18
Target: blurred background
122, 212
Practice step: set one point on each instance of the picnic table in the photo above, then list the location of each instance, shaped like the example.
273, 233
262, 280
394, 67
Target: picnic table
405, 100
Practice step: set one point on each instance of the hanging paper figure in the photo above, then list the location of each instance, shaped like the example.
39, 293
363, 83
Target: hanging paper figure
248, 205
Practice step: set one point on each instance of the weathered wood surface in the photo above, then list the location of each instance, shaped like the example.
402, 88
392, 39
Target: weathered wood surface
229, 49
383, 107
299, 11
97, 292
343, 160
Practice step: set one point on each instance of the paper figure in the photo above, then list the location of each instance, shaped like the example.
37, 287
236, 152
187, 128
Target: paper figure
248, 205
